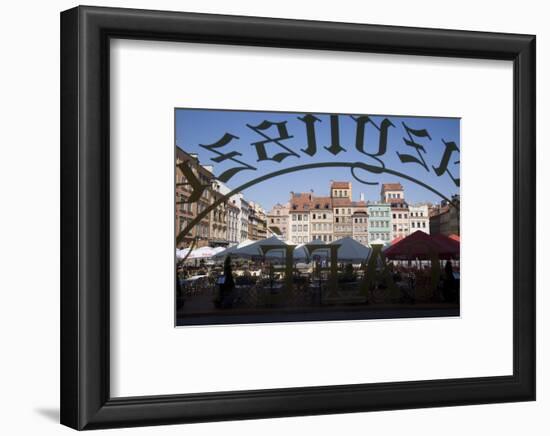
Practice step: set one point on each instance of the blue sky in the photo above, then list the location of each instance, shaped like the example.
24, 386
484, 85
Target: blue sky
199, 126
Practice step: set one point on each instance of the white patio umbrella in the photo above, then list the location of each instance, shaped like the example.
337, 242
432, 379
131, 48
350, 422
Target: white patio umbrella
352, 250
202, 253
180, 254
301, 253
218, 250
227, 251
255, 249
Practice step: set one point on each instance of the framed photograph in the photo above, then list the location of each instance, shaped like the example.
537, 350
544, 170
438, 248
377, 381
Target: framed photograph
266, 217
349, 233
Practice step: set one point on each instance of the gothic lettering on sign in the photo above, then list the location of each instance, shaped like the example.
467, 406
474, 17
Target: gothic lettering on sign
273, 148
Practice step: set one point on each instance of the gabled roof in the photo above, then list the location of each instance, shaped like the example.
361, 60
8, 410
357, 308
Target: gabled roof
300, 202
340, 185
321, 202
391, 187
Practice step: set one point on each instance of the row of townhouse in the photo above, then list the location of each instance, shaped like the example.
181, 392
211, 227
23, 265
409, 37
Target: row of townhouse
308, 217
212, 219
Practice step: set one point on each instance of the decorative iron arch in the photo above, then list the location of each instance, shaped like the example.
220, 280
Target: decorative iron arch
352, 165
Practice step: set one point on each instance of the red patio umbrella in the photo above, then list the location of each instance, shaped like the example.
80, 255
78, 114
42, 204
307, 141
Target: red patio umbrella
420, 245
396, 240
452, 244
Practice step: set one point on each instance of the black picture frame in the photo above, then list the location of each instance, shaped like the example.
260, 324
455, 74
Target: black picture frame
85, 373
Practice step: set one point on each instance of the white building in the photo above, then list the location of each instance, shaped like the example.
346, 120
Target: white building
392, 193
321, 219
360, 225
342, 204
245, 212
400, 220
419, 218
277, 220
233, 214
299, 223
233, 222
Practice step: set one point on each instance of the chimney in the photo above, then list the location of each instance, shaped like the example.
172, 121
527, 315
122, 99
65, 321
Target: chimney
361, 197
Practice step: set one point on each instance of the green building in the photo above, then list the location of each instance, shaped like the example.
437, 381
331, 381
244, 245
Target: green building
379, 222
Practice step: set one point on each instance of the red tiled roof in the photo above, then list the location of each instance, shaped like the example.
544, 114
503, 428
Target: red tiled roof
322, 202
340, 185
391, 187
300, 202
